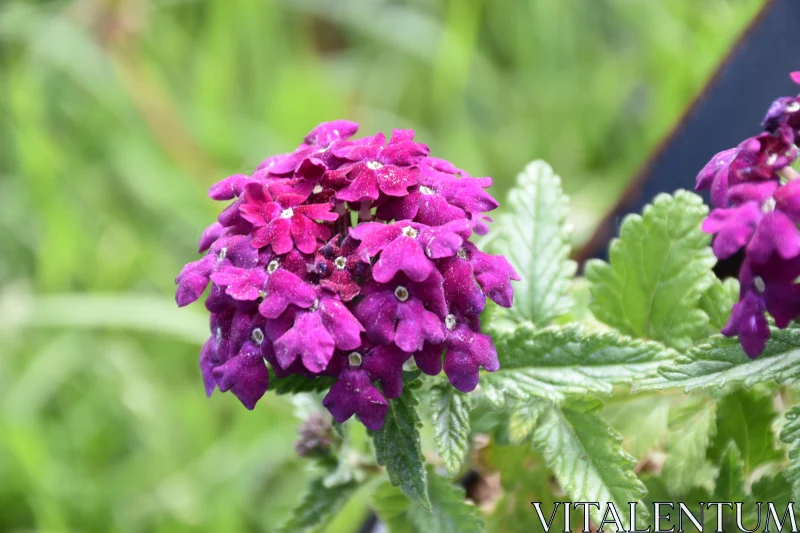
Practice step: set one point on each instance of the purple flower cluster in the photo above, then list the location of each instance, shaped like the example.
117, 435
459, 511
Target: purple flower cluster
756, 196
345, 259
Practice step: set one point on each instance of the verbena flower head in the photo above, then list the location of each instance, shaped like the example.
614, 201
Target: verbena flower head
756, 195
297, 287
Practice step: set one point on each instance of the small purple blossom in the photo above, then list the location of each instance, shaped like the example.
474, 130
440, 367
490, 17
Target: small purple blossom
756, 193
295, 290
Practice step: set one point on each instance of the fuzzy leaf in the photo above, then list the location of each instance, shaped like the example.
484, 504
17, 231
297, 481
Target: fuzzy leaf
722, 362
556, 362
398, 448
717, 302
523, 420
745, 417
730, 484
451, 425
660, 267
449, 512
294, 384
586, 456
642, 420
535, 238
318, 507
791, 436
691, 426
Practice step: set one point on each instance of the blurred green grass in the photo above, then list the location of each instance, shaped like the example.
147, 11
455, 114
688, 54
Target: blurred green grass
116, 116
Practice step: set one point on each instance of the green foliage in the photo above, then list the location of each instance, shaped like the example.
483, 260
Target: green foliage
641, 420
722, 362
398, 448
449, 513
691, 426
451, 425
554, 363
791, 436
660, 268
586, 456
318, 506
718, 301
746, 418
533, 234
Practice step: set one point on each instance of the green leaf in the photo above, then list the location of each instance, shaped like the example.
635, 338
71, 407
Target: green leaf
722, 362
642, 420
660, 267
523, 420
776, 489
746, 417
535, 238
318, 507
556, 362
451, 425
730, 487
398, 448
791, 436
730, 484
691, 426
391, 506
294, 384
449, 513
586, 456
717, 302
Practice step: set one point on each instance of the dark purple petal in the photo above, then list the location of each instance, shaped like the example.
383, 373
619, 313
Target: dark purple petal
308, 339
385, 364
229, 188
776, 233
354, 394
245, 375
734, 227
748, 322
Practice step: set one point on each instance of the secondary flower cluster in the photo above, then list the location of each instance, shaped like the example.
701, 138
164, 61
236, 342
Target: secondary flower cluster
346, 258
756, 195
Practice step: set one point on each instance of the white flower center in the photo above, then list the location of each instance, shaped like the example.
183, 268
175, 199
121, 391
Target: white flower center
340, 262
450, 322
769, 205
408, 231
354, 359
426, 190
758, 283
258, 336
317, 189
315, 306
462, 253
272, 266
222, 254
374, 165
772, 159
401, 293
287, 213
794, 106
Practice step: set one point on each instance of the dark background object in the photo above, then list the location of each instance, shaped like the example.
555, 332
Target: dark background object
728, 110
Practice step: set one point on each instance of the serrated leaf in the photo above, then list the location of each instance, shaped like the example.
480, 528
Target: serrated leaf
556, 362
586, 456
791, 436
535, 238
449, 511
451, 425
722, 362
729, 487
730, 483
398, 448
391, 506
745, 417
691, 426
294, 384
642, 421
717, 302
659, 268
523, 420
776, 489
318, 507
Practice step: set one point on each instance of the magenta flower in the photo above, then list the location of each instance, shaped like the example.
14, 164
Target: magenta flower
757, 199
376, 168
297, 290
285, 222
